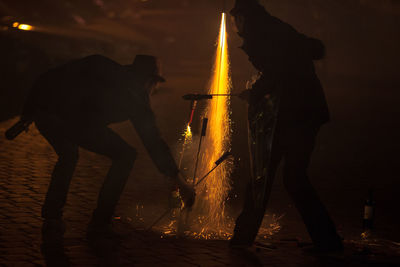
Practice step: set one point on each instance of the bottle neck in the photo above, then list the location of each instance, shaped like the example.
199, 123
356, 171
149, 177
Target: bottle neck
370, 201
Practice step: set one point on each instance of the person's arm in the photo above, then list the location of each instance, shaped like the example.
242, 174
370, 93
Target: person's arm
143, 119
259, 90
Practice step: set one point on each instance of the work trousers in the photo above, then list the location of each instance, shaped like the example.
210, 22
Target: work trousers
293, 145
65, 137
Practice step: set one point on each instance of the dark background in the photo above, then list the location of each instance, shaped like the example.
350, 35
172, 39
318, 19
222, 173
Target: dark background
357, 150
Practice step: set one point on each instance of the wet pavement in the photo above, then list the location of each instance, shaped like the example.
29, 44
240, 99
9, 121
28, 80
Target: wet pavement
25, 167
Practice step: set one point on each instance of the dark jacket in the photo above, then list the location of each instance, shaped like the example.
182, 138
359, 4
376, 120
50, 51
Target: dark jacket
95, 91
285, 59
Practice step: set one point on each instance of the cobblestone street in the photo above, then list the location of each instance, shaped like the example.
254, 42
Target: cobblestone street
354, 47
25, 166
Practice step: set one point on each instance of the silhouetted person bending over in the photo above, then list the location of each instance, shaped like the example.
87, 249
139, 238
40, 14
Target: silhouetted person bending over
287, 106
72, 105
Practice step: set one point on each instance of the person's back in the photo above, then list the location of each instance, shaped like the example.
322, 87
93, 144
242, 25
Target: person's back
93, 89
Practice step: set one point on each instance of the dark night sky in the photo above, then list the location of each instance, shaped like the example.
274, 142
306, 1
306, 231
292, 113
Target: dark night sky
358, 149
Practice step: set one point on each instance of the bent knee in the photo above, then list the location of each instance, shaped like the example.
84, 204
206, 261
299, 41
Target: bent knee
70, 157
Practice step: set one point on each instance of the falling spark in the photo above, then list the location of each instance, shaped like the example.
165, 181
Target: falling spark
214, 192
188, 135
187, 141
269, 227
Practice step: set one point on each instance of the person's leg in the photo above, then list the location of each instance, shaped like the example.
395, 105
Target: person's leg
65, 137
251, 217
67, 153
52, 210
314, 214
105, 142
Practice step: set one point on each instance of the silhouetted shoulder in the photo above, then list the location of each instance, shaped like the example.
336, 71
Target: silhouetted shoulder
89, 69
93, 63
315, 48
99, 59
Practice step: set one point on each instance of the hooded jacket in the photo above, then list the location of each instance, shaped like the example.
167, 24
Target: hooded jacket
285, 59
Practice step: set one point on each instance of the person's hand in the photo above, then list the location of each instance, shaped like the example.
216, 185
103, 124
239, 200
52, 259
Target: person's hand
186, 191
245, 95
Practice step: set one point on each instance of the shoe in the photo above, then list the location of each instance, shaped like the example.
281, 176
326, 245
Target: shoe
53, 231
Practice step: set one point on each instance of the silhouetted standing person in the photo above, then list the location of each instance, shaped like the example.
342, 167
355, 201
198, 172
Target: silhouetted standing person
72, 105
287, 106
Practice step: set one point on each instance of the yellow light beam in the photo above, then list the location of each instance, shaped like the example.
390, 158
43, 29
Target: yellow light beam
209, 218
213, 193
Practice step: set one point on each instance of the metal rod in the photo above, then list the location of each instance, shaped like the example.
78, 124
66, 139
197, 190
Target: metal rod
159, 219
181, 156
217, 163
203, 133
193, 105
224, 94
205, 176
